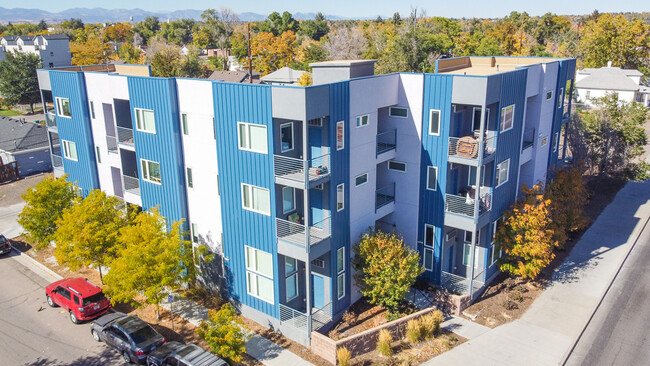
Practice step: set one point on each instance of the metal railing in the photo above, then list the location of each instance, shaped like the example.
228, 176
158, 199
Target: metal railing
465, 205
454, 283
125, 135
50, 119
131, 184
294, 233
57, 161
321, 316
293, 317
529, 139
111, 143
386, 141
294, 169
384, 196
468, 147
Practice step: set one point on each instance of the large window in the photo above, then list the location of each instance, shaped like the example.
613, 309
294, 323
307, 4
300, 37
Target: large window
63, 107
259, 274
398, 112
252, 137
340, 197
150, 171
502, 172
432, 178
507, 117
145, 121
434, 122
340, 271
286, 137
69, 150
429, 239
340, 135
363, 120
288, 199
256, 199
291, 278
361, 179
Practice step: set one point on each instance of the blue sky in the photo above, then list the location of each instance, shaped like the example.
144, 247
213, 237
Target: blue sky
352, 8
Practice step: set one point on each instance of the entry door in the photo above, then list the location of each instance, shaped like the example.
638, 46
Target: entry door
320, 295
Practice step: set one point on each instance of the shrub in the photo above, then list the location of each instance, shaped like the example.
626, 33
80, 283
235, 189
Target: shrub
384, 343
430, 323
510, 305
521, 288
224, 332
516, 296
413, 331
343, 355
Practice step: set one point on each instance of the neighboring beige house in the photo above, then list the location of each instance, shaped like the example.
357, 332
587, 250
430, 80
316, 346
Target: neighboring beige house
595, 83
284, 76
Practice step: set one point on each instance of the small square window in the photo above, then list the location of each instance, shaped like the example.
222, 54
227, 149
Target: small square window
361, 179
252, 137
502, 172
69, 150
145, 121
363, 120
150, 171
507, 118
397, 166
434, 122
63, 107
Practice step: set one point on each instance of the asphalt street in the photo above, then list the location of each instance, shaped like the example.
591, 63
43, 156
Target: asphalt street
32, 333
618, 333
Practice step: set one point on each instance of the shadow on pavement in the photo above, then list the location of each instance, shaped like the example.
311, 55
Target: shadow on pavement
107, 357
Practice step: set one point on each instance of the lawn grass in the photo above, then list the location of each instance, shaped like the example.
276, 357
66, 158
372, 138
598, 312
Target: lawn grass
9, 112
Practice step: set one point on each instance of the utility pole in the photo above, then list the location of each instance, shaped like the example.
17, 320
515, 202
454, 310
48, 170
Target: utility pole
250, 59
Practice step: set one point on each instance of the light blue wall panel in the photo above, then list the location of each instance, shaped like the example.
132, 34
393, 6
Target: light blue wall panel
245, 103
72, 85
565, 72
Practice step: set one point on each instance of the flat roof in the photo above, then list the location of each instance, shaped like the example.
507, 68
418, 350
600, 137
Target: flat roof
488, 65
341, 63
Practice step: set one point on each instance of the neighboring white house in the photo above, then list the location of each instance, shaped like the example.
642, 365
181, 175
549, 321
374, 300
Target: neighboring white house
53, 49
284, 76
595, 83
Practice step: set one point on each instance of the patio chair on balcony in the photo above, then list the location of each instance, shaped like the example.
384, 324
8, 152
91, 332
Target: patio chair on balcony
467, 147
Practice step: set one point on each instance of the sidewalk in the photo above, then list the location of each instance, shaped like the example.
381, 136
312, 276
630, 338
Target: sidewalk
546, 332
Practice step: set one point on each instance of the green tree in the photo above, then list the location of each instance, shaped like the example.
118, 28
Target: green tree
386, 268
18, 80
44, 205
147, 28
88, 232
225, 333
315, 29
178, 32
278, 24
130, 54
167, 62
526, 236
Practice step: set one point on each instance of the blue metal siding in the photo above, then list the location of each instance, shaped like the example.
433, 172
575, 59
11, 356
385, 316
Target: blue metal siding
164, 146
340, 162
245, 103
559, 111
437, 95
83, 172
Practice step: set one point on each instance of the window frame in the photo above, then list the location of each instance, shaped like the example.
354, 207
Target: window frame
390, 112
248, 137
97, 152
396, 162
498, 173
268, 192
340, 143
184, 125
359, 120
66, 150
340, 206
256, 273
282, 126
340, 252
502, 121
427, 266
429, 177
560, 97
549, 97
356, 183
59, 107
340, 285
194, 232
146, 176
293, 192
139, 116
487, 118
92, 109
294, 278
467, 257
556, 141
433, 239
431, 111
189, 177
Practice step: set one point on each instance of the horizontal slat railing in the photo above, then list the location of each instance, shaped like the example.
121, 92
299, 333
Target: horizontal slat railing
321, 316
465, 205
125, 135
57, 161
294, 169
131, 184
293, 317
386, 141
468, 147
50, 119
384, 196
290, 231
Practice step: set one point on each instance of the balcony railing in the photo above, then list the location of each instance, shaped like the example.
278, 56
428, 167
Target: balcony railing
468, 147
297, 319
294, 233
384, 196
125, 135
111, 143
465, 206
50, 119
529, 139
454, 283
131, 184
57, 162
294, 169
386, 141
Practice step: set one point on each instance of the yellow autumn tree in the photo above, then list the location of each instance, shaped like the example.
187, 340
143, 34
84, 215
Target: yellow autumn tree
568, 195
305, 79
271, 53
93, 51
527, 236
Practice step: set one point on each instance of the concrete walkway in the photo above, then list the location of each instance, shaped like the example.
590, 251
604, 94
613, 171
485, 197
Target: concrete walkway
257, 347
550, 327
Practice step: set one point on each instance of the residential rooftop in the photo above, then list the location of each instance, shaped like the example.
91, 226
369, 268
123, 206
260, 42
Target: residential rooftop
487, 65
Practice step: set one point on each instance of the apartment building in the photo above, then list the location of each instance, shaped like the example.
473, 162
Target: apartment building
282, 180
53, 49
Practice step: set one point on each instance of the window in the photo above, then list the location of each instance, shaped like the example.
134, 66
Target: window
214, 129
150, 171
434, 122
340, 260
397, 166
63, 107
556, 139
316, 122
496, 252
427, 259
99, 157
361, 179
145, 121
560, 96
288, 199
544, 140
195, 232
471, 177
259, 275
256, 199
252, 137
292, 286
429, 239
588, 94
432, 178
92, 109
476, 118
429, 235
190, 180
507, 116
286, 137
63, 292
502, 172
549, 95
398, 112
340, 285
290, 265
69, 150
340, 135
340, 197
184, 124
467, 250
363, 120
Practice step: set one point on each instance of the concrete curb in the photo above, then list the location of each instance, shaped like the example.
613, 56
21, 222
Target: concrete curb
31, 262
602, 297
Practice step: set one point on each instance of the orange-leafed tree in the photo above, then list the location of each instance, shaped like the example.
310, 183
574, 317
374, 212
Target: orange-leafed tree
90, 52
527, 236
119, 32
568, 195
272, 53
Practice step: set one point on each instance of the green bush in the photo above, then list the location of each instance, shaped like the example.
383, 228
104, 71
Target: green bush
224, 332
343, 355
384, 343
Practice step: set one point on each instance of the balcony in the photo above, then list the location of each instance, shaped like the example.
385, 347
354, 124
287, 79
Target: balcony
111, 143
466, 148
131, 185
386, 141
125, 136
465, 205
50, 120
298, 173
292, 239
384, 196
57, 162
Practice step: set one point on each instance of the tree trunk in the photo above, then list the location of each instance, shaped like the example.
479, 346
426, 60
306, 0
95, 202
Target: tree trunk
31, 106
101, 277
157, 312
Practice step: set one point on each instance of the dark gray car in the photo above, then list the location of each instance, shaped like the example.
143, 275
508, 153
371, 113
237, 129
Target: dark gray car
128, 334
5, 246
176, 353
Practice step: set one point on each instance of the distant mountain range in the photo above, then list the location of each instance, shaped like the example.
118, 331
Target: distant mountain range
100, 15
